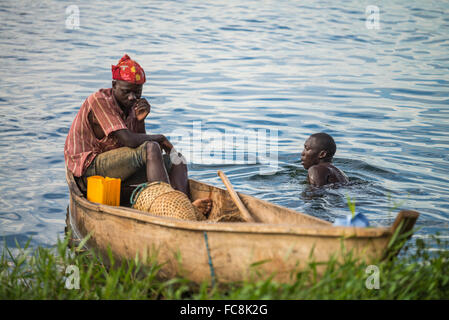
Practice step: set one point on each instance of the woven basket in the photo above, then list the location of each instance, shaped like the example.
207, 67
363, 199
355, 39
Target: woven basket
160, 199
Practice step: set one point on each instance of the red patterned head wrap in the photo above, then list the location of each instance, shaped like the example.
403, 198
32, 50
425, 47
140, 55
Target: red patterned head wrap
128, 70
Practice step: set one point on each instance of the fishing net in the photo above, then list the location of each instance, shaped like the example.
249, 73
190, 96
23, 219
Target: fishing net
220, 216
160, 199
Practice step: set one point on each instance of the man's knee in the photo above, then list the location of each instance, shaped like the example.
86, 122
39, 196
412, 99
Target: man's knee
153, 149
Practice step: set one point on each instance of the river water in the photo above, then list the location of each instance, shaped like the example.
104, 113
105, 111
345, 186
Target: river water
281, 70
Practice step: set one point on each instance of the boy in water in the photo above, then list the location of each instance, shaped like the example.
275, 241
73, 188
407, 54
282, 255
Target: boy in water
319, 149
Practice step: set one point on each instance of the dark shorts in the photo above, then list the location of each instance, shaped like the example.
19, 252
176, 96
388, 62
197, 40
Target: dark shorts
128, 164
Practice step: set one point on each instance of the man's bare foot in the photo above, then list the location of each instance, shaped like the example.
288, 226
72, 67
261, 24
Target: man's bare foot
203, 205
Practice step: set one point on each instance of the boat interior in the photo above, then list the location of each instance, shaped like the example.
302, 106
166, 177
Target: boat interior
223, 208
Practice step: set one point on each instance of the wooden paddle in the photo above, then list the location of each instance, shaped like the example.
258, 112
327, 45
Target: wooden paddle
235, 197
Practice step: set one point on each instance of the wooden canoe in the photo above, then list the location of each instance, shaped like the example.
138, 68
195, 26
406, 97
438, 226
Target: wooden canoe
281, 238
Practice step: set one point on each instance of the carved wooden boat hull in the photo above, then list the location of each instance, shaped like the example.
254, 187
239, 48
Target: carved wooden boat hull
282, 238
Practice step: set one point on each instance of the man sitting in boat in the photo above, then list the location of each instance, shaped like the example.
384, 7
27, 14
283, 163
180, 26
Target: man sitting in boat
319, 150
108, 137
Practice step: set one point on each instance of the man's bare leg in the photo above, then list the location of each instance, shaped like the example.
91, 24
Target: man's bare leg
178, 176
155, 164
180, 181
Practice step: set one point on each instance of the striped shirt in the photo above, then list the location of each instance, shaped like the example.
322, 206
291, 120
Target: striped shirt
82, 146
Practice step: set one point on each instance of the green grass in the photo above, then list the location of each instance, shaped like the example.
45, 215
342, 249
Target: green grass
41, 274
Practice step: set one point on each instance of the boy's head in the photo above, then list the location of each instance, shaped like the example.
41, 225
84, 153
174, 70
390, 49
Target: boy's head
319, 147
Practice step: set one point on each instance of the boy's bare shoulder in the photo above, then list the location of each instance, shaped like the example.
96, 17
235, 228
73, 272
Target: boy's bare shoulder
319, 169
318, 175
325, 173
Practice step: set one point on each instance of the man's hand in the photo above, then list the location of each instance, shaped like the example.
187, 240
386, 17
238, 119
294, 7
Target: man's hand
166, 145
142, 108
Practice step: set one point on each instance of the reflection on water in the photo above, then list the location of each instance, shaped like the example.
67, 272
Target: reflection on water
294, 67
